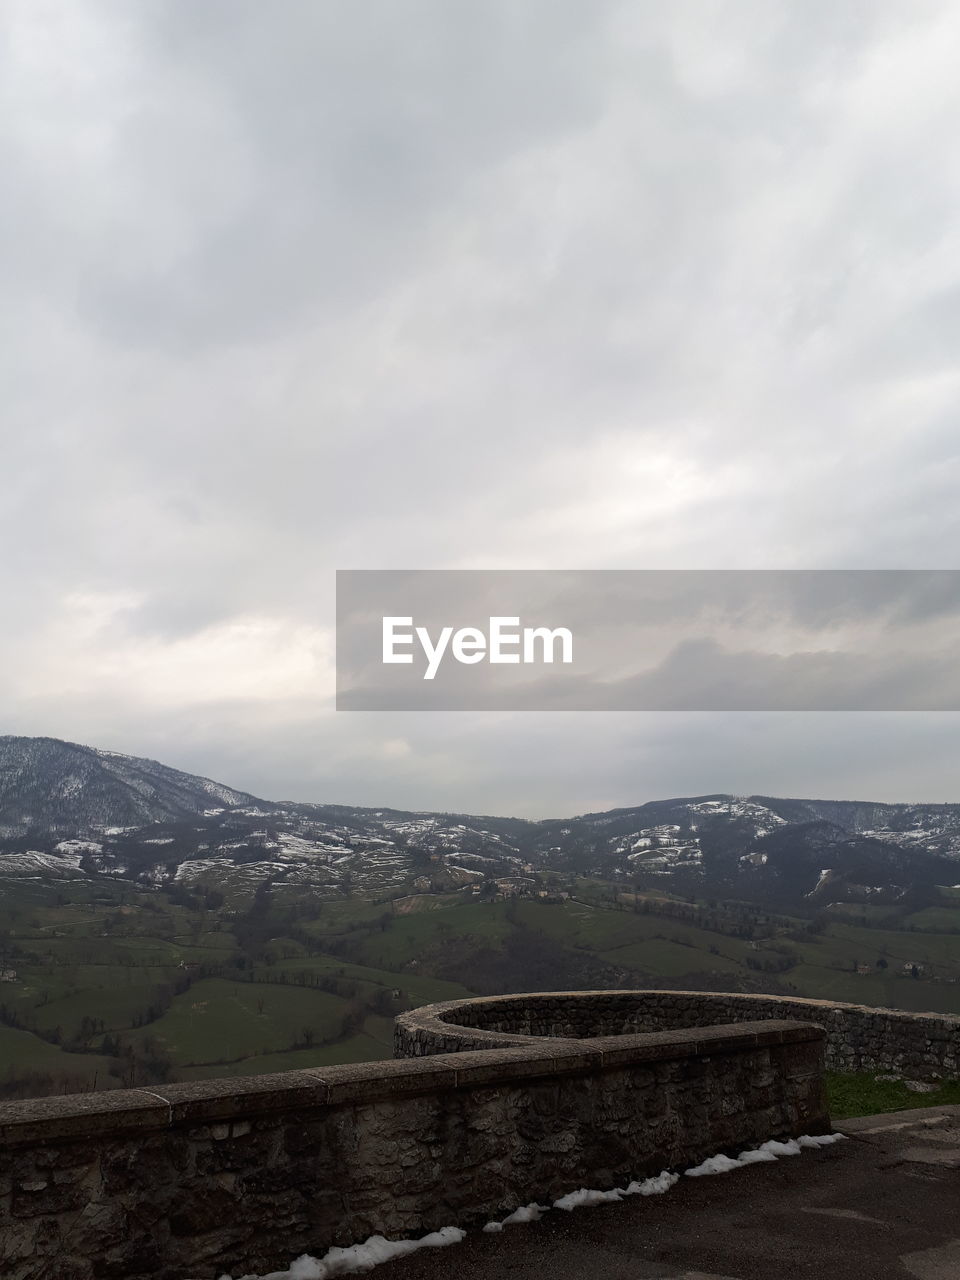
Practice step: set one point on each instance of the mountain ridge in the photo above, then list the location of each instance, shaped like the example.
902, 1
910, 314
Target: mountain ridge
49, 784
70, 810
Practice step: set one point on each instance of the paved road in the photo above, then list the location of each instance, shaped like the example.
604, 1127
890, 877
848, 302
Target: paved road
884, 1205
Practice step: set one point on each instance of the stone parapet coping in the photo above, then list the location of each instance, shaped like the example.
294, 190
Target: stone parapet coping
596, 998
73, 1117
441, 1020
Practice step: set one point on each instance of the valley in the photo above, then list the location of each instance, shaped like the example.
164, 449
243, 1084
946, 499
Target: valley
220, 934
106, 983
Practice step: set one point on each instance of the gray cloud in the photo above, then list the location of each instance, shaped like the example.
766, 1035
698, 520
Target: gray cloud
299, 287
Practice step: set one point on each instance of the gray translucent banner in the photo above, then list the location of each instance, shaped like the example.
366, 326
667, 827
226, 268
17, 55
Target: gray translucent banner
648, 640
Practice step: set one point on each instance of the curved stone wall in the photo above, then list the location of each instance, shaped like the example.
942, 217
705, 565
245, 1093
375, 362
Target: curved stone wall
858, 1038
242, 1175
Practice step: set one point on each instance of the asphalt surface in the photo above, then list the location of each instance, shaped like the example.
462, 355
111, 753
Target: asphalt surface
885, 1204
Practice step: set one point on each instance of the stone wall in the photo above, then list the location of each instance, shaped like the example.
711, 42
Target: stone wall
187, 1181
858, 1038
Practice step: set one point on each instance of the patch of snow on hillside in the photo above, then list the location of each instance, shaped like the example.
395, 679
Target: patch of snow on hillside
78, 846
754, 859
226, 795
227, 871
106, 867
825, 875
763, 818
661, 849
34, 865
660, 854
298, 848
926, 839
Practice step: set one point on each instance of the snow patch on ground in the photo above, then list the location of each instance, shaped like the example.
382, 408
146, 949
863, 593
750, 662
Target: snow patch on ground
526, 1213
364, 1257
359, 1257
648, 1187
771, 1150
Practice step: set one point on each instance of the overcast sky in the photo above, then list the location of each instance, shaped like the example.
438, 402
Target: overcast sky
315, 284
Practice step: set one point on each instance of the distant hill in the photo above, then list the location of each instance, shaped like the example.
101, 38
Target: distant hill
49, 786
68, 810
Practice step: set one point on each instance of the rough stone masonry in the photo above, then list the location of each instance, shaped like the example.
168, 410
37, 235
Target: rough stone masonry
187, 1181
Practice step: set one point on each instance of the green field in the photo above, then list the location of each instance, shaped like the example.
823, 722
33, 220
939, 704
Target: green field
116, 984
862, 1094
21, 1050
219, 1021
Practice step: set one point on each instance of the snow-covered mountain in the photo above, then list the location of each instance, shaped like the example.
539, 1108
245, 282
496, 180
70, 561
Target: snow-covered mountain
51, 786
68, 811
